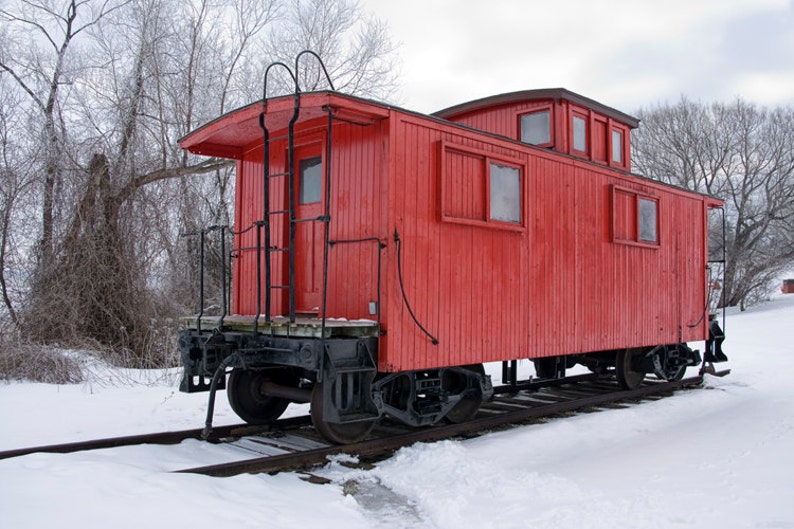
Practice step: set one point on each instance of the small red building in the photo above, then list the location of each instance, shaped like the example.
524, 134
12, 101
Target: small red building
505, 228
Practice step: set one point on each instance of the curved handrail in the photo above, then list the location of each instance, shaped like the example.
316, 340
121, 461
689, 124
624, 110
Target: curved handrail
322, 65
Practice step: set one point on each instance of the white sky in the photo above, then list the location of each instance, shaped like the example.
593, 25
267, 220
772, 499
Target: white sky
623, 53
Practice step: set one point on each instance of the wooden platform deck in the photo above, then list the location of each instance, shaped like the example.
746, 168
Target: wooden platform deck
302, 327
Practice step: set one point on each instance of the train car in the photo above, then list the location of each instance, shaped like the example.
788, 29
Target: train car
381, 256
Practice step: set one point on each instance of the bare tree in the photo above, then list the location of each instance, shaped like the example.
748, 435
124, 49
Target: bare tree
40, 73
15, 189
743, 154
113, 84
114, 124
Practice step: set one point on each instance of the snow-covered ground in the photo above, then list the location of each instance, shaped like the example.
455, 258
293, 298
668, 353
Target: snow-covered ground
719, 457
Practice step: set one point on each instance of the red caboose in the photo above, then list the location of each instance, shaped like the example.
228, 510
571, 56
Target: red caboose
381, 256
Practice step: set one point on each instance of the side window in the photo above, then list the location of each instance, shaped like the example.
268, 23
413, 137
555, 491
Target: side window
505, 187
617, 147
635, 218
648, 220
311, 178
579, 134
536, 128
478, 189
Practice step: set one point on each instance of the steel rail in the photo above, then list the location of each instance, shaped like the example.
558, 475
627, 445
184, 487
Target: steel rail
160, 438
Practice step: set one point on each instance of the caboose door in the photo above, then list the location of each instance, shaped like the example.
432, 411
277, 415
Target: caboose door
310, 204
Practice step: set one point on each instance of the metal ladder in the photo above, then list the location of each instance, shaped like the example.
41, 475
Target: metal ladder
266, 224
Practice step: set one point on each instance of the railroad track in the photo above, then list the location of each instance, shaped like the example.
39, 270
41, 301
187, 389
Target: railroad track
292, 444
161, 438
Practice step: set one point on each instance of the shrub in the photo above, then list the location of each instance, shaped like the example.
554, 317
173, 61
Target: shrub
39, 363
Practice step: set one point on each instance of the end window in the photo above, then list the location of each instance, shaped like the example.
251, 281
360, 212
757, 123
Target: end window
536, 128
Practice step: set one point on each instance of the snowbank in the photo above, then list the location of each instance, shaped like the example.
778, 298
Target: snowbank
716, 457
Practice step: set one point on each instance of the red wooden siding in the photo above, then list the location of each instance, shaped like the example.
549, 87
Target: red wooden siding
463, 184
600, 138
560, 285
357, 211
463, 281
248, 209
624, 215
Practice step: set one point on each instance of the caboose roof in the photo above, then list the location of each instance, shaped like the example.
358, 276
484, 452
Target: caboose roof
231, 134
524, 96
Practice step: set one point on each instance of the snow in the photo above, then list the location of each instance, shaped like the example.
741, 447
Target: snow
715, 457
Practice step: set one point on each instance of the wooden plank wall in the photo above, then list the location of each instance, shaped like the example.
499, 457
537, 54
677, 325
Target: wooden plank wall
558, 285
358, 211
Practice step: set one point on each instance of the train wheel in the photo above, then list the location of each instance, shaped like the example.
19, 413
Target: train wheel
466, 409
339, 433
247, 398
670, 368
627, 377
679, 375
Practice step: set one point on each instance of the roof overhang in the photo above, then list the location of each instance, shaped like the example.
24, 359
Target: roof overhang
230, 135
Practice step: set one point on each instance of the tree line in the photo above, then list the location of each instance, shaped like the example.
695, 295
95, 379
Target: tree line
95, 192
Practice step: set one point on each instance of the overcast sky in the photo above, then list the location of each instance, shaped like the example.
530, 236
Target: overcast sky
623, 53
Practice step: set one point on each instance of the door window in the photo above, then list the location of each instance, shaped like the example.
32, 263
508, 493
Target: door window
311, 177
